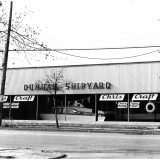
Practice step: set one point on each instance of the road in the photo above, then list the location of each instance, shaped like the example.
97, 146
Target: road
85, 145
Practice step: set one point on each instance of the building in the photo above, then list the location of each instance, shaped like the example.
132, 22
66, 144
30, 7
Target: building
101, 92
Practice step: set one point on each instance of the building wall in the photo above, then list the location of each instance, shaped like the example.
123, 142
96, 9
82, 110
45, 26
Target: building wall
125, 78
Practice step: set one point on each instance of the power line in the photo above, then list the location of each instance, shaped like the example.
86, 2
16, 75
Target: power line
101, 48
105, 58
107, 48
59, 58
73, 49
49, 55
108, 58
89, 57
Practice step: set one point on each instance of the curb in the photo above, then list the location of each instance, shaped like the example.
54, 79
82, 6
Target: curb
140, 131
109, 127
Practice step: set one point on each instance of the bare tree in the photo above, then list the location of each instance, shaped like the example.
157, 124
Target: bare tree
22, 37
53, 83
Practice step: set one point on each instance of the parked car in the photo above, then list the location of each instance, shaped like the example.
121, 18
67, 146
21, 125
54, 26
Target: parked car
72, 113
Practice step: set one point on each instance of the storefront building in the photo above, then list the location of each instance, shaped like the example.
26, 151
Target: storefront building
104, 92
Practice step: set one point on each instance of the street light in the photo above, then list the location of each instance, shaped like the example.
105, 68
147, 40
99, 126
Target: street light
5, 60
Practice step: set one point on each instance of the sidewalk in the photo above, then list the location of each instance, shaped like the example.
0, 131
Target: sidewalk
104, 127
125, 123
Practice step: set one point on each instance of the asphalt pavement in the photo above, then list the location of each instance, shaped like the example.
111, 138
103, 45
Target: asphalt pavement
77, 145
129, 128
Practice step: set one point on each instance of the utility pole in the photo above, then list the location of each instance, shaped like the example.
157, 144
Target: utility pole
4, 64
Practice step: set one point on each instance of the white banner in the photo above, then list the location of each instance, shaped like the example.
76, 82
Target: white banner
134, 104
122, 104
112, 97
3, 98
12, 105
144, 97
23, 98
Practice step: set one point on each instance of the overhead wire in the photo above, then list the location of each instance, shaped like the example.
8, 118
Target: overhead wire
107, 48
97, 58
108, 58
100, 48
60, 58
50, 56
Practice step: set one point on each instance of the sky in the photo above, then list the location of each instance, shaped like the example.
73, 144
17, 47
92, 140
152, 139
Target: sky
88, 24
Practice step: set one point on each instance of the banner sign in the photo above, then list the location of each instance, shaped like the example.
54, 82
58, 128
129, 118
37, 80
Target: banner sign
23, 98
3, 98
12, 105
112, 97
144, 97
122, 104
134, 104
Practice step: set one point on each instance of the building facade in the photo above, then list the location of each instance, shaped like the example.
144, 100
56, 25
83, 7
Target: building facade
104, 92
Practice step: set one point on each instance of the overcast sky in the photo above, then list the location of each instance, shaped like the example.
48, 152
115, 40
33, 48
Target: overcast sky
84, 24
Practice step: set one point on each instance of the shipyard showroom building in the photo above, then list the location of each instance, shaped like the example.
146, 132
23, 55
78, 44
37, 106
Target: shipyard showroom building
104, 92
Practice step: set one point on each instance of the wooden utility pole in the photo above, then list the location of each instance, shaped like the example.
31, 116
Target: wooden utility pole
4, 65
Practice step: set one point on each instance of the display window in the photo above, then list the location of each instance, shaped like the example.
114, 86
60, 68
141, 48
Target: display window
20, 108
68, 107
84, 107
144, 107
114, 106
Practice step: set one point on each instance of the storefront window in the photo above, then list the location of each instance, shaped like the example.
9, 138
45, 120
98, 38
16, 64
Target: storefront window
114, 107
145, 107
78, 107
22, 109
82, 107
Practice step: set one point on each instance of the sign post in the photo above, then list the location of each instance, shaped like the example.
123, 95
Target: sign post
128, 107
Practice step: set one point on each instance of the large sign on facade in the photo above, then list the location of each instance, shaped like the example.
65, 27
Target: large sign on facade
112, 97
23, 98
144, 97
68, 86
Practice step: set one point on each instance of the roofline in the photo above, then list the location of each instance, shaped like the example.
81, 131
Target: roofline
84, 65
